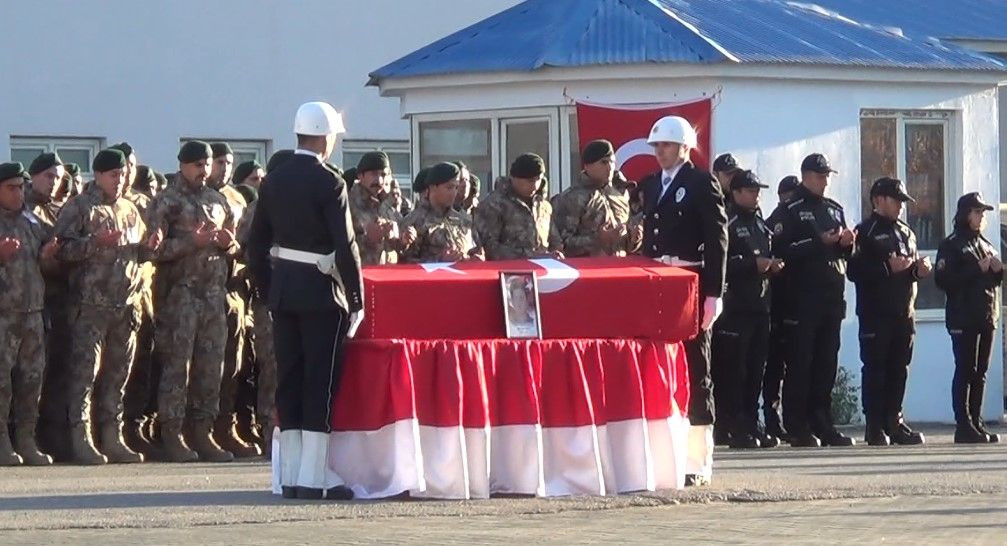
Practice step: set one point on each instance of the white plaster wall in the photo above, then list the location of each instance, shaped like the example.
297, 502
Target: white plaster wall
153, 72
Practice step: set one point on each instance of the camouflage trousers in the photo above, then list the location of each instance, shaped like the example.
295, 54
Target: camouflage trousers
140, 397
236, 372
22, 361
265, 363
189, 339
103, 343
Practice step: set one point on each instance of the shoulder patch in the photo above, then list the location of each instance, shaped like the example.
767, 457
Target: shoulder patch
778, 228
940, 264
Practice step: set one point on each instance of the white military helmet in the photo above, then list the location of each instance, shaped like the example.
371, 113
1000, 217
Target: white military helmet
673, 129
318, 119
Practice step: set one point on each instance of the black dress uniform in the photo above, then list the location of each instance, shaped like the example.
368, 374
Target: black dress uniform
886, 311
772, 381
741, 334
302, 207
816, 277
971, 314
688, 222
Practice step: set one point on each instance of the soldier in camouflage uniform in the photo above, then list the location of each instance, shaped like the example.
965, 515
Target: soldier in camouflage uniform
236, 371
434, 231
196, 225
468, 190
592, 217
375, 226
22, 335
515, 221
101, 233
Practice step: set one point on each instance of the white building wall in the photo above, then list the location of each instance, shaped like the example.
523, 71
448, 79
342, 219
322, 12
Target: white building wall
154, 72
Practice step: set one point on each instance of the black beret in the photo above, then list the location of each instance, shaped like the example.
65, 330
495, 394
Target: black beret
278, 158
108, 159
10, 170
144, 177
72, 169
373, 161
193, 151
441, 173
43, 162
249, 193
221, 148
123, 147
420, 182
242, 171
725, 163
596, 151
350, 176
527, 166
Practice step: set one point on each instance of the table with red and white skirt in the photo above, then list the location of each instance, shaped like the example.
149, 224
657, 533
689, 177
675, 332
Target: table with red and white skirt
435, 401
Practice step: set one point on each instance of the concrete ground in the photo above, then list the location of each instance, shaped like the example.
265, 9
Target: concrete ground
934, 493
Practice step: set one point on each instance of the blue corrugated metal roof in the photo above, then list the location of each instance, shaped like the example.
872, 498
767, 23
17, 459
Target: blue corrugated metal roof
565, 33
948, 19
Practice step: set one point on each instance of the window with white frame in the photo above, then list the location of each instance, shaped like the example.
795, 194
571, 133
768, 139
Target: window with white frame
397, 152
70, 149
244, 149
465, 140
914, 146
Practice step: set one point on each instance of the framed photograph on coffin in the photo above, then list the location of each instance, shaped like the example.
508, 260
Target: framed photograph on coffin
520, 304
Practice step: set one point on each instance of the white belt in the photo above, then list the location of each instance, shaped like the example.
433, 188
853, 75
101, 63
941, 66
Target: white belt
675, 261
326, 263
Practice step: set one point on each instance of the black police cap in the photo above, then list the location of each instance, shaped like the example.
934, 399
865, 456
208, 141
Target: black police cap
725, 163
817, 163
890, 187
788, 184
746, 179
973, 200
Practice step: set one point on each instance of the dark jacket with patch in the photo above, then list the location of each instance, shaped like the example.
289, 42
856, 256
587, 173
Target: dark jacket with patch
971, 294
778, 283
747, 288
687, 222
880, 291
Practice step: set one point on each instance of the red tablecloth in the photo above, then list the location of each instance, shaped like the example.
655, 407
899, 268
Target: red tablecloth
470, 418
612, 298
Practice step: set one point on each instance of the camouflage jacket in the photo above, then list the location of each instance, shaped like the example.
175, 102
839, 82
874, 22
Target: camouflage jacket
582, 210
235, 276
440, 237
364, 210
510, 228
21, 286
140, 200
177, 212
101, 276
45, 211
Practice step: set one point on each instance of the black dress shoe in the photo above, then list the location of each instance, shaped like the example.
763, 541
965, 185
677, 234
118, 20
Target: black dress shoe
805, 440
721, 436
339, 492
875, 436
905, 436
991, 437
696, 480
834, 438
289, 492
774, 429
310, 493
767, 440
744, 441
967, 434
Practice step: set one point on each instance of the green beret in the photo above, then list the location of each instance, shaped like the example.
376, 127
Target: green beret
441, 173
10, 170
123, 147
108, 159
220, 149
278, 158
144, 178
596, 151
527, 166
242, 171
72, 169
249, 193
193, 151
43, 162
373, 161
420, 182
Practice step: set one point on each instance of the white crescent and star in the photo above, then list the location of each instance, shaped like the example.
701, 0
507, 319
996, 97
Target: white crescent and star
558, 275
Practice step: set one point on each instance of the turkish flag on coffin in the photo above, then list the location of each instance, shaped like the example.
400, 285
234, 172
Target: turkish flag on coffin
627, 127
621, 298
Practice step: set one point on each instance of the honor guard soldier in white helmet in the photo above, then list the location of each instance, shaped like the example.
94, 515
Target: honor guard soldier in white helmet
305, 261
685, 224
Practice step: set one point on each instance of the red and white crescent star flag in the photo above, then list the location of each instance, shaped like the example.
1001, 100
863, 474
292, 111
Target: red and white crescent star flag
627, 127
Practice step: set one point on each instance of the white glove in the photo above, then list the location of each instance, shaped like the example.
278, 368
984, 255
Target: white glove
712, 307
356, 318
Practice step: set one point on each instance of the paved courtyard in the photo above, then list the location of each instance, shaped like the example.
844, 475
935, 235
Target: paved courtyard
935, 493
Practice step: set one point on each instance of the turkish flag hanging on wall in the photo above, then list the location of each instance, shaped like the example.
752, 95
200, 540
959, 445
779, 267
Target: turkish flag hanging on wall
627, 127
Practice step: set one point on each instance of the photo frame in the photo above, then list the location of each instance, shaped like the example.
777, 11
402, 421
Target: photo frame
522, 313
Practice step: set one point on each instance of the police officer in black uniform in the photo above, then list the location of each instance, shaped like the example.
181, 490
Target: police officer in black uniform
741, 334
814, 242
684, 221
969, 272
886, 268
772, 381
303, 256
725, 166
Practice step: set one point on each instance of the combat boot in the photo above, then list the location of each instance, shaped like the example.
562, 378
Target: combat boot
81, 448
173, 449
25, 446
133, 438
225, 433
249, 430
7, 455
113, 448
201, 439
